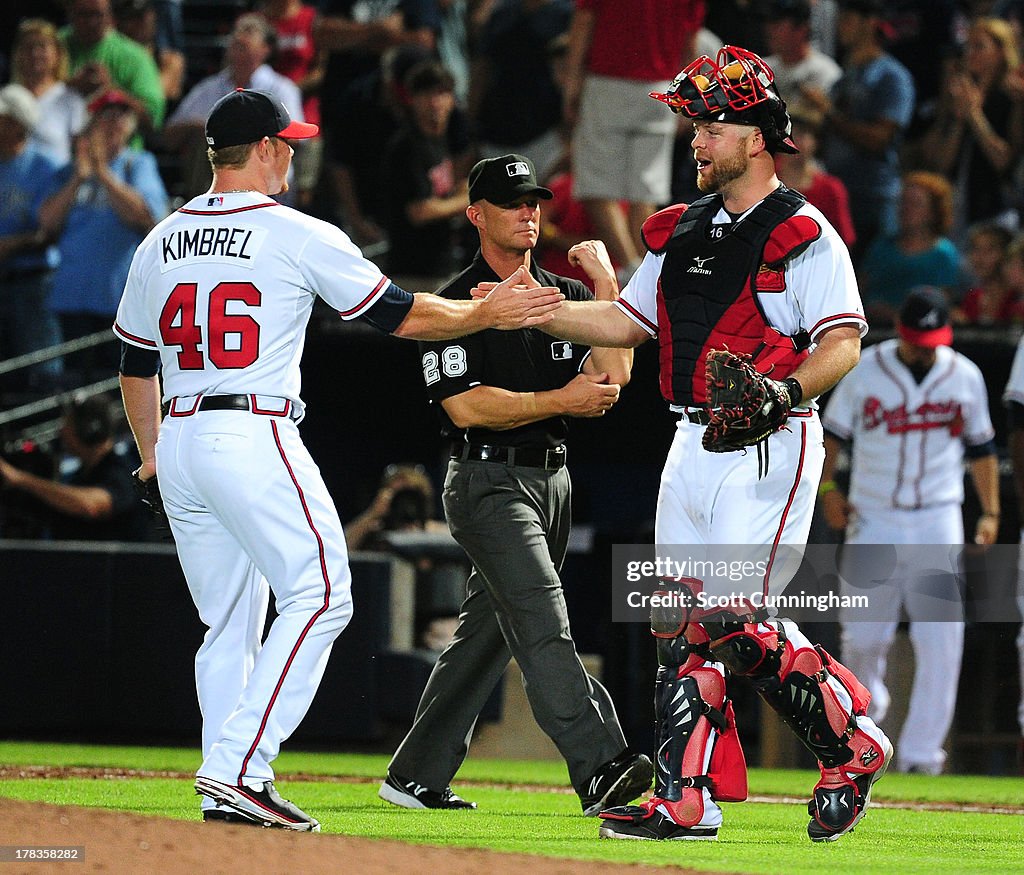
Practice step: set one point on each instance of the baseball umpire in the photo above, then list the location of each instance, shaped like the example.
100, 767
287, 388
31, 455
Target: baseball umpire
504, 400
754, 269
218, 296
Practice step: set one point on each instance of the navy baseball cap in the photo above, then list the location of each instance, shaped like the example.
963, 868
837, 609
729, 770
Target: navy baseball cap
503, 180
924, 318
245, 116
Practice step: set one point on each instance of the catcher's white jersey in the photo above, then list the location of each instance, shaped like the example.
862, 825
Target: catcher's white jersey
820, 287
224, 287
909, 437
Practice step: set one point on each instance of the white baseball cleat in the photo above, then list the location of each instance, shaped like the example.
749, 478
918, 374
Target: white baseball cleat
264, 805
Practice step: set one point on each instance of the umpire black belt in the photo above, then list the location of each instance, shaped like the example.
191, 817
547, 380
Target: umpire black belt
527, 457
261, 405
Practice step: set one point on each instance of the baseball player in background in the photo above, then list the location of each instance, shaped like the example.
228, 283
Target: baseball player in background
218, 297
752, 267
913, 409
1013, 398
504, 400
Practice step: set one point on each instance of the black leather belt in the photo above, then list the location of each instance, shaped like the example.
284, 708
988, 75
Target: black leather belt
698, 416
223, 402
528, 457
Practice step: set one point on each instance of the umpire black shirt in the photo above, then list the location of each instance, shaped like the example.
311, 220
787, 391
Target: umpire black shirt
525, 360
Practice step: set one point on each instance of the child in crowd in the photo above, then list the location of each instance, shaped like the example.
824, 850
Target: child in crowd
988, 300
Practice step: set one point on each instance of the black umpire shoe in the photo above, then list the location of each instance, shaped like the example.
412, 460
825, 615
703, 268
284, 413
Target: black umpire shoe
408, 794
264, 805
218, 815
617, 782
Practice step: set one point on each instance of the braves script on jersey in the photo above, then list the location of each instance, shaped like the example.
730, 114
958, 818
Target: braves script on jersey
909, 436
227, 309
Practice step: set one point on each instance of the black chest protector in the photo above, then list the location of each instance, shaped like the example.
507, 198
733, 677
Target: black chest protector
706, 294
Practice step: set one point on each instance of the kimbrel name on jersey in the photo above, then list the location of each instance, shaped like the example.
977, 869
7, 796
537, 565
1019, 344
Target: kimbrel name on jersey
203, 243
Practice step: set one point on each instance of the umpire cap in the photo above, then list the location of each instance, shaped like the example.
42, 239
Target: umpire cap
503, 180
244, 116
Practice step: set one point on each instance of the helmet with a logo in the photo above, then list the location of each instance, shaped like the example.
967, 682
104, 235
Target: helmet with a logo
737, 87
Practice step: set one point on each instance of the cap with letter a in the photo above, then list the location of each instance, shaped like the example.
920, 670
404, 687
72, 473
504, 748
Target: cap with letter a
245, 116
924, 318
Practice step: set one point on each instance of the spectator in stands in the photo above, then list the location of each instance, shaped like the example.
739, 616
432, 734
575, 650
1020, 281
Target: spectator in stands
138, 19
96, 502
795, 62
102, 59
424, 193
924, 36
300, 59
738, 23
1012, 309
108, 198
41, 65
824, 24
452, 38
803, 172
404, 502
170, 25
513, 112
866, 114
989, 300
246, 58
378, 104
622, 143
978, 134
27, 177
919, 254
355, 35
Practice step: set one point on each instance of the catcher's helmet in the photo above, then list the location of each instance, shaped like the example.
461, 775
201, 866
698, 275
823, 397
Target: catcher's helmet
737, 87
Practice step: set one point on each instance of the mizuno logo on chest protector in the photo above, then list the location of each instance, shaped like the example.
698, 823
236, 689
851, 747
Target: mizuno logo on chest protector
698, 265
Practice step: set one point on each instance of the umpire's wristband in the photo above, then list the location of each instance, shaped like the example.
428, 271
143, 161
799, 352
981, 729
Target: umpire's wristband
796, 391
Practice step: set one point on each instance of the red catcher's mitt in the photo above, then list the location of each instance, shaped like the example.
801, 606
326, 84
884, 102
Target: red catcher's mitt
745, 406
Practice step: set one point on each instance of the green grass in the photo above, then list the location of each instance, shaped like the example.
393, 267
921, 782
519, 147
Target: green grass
757, 837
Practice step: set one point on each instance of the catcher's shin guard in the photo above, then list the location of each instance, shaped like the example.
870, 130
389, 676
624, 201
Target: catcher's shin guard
698, 748
824, 704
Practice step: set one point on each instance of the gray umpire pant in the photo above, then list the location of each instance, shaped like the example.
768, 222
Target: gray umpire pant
513, 523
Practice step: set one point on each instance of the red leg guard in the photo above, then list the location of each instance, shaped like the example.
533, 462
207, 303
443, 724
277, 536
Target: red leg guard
728, 768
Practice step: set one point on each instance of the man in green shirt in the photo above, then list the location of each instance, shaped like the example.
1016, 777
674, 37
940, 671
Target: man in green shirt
101, 58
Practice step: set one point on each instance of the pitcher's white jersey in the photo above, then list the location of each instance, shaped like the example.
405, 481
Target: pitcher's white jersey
909, 437
228, 310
